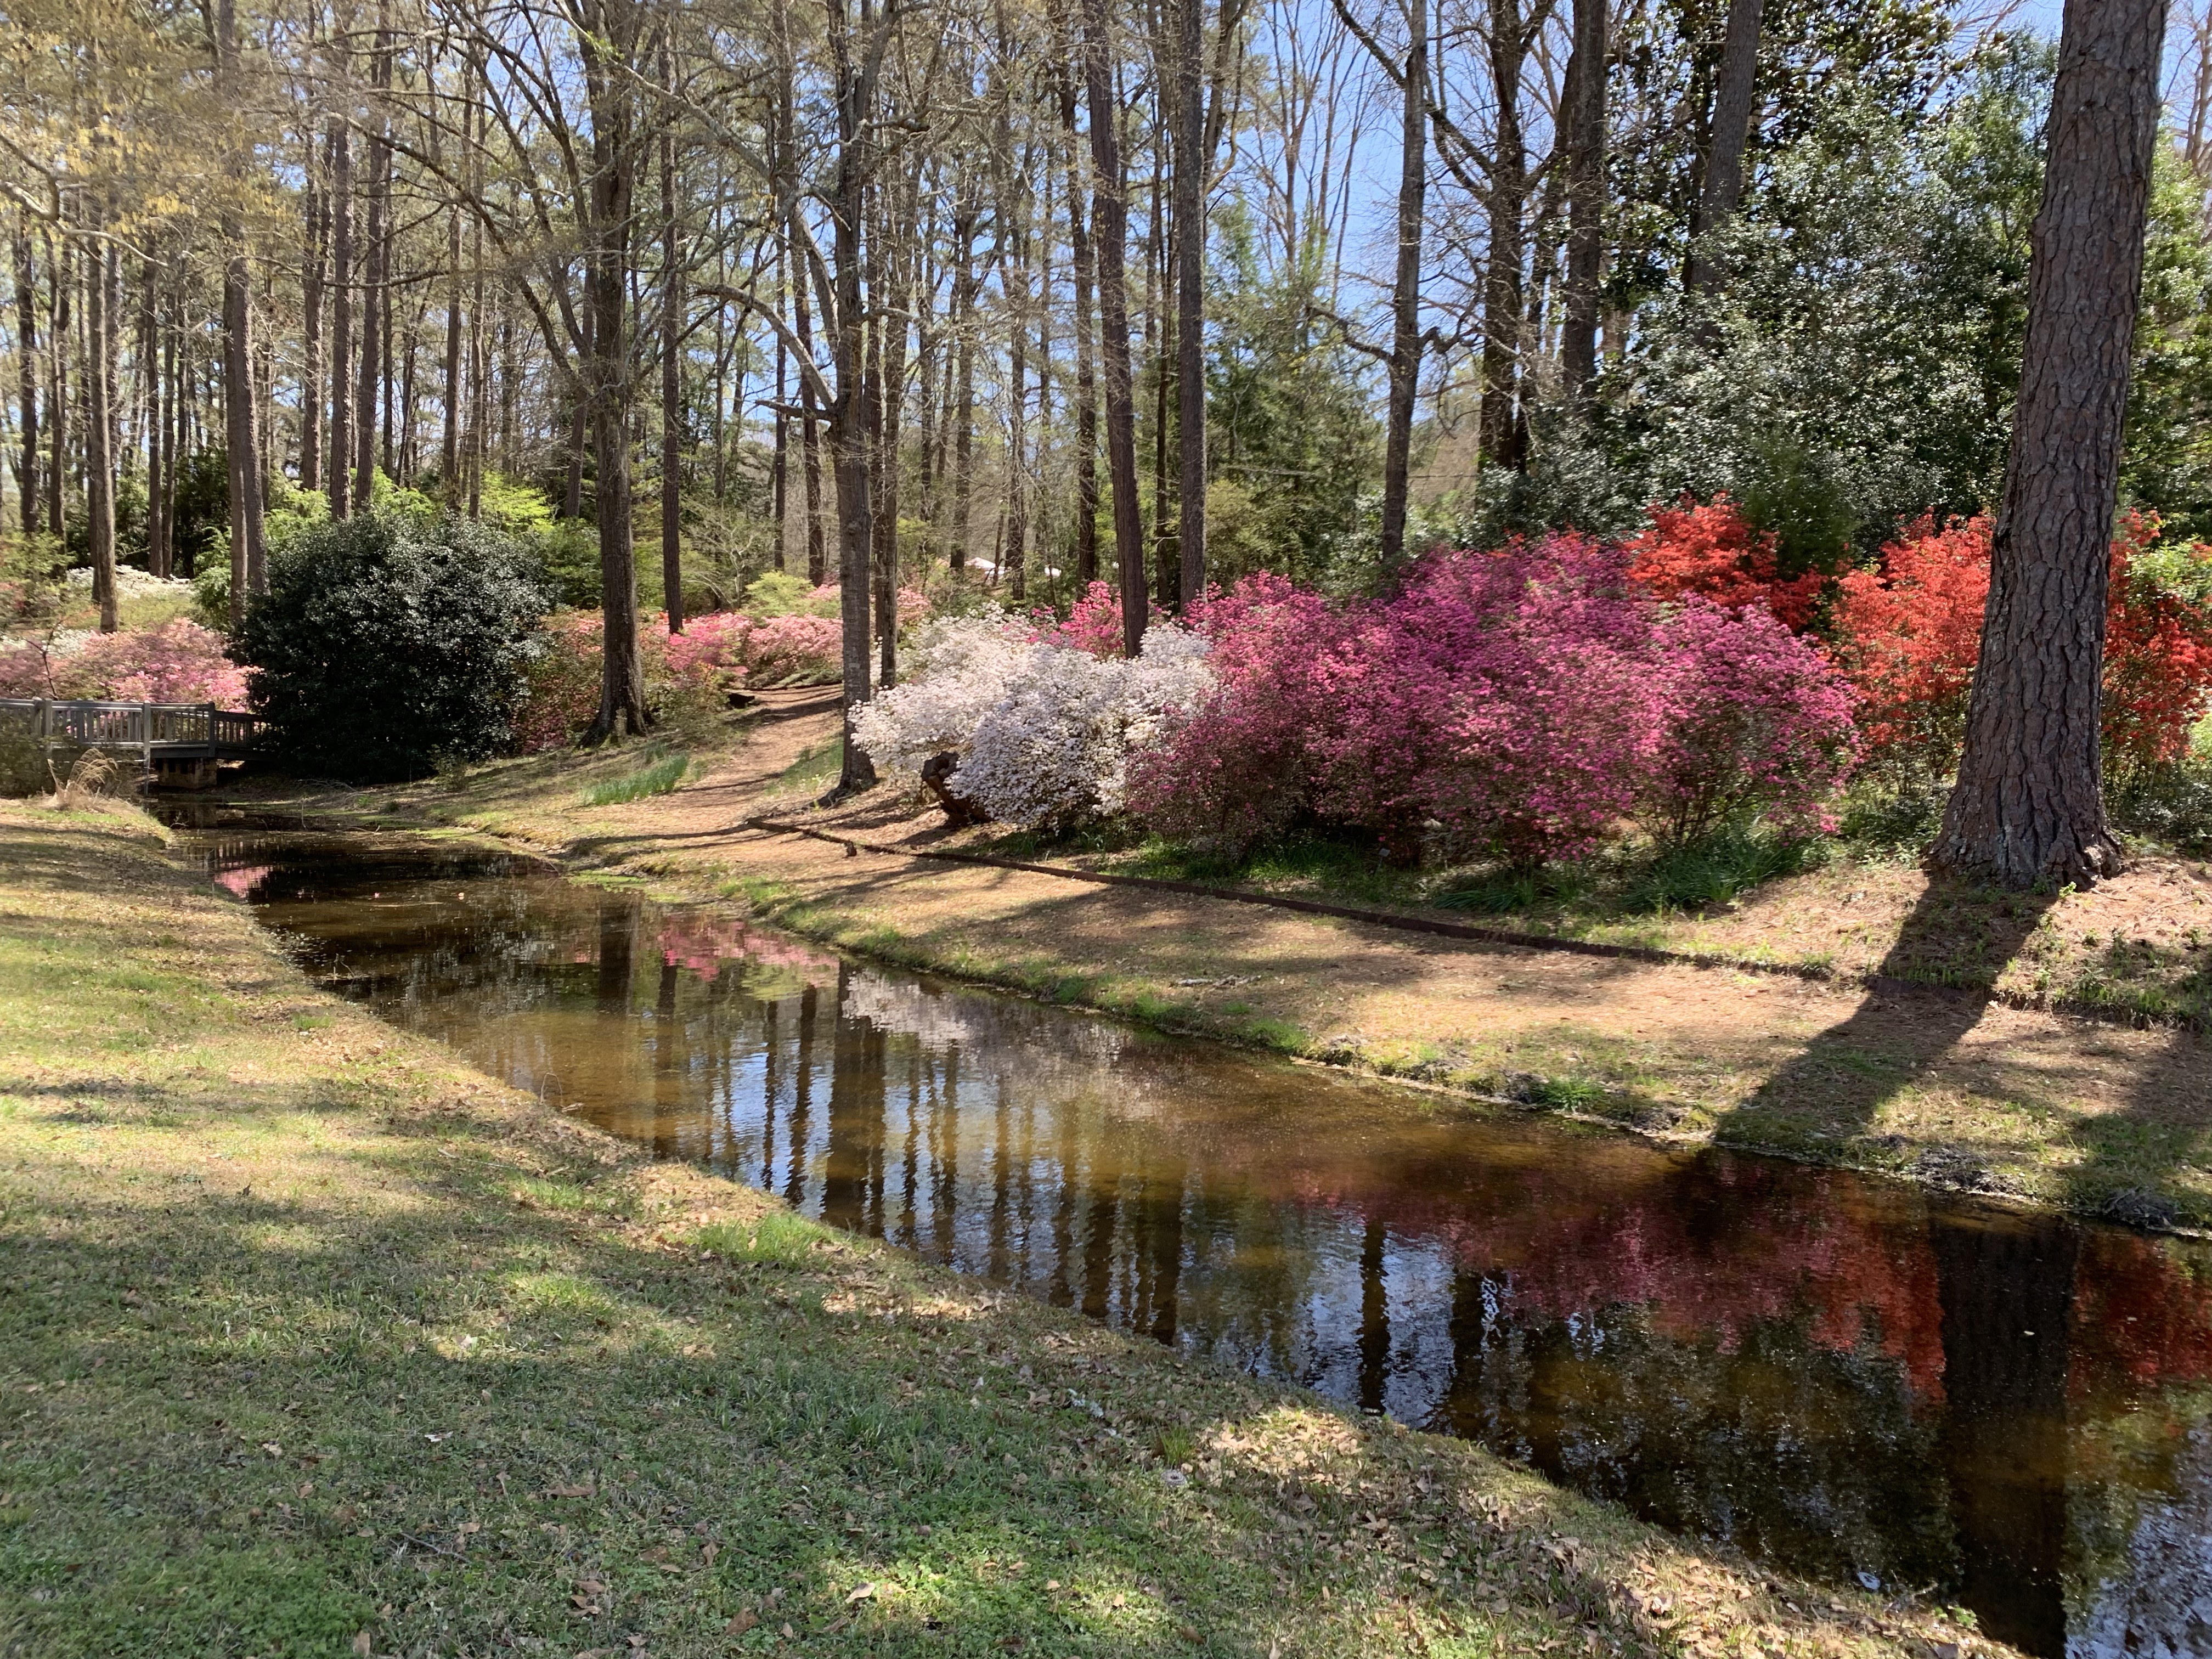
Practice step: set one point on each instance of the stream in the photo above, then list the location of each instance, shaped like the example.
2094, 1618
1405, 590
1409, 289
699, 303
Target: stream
1850, 1377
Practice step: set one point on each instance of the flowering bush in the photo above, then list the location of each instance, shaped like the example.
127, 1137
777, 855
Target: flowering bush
690, 669
798, 648
1710, 550
1502, 704
1908, 634
1759, 722
1522, 704
955, 670
1237, 767
179, 661
1093, 624
1055, 748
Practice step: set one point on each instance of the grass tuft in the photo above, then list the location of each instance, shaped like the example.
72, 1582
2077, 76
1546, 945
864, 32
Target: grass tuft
658, 779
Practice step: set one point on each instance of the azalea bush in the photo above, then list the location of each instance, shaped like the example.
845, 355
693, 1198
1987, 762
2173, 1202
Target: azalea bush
1520, 705
1239, 765
1711, 551
687, 675
1908, 632
1044, 729
179, 661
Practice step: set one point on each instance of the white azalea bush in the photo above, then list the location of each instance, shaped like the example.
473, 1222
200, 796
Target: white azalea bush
1044, 730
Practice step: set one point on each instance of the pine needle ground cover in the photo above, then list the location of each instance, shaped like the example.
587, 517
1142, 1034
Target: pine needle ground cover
316, 1342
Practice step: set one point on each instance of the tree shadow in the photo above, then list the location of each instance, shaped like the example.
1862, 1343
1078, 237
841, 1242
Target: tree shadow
1933, 987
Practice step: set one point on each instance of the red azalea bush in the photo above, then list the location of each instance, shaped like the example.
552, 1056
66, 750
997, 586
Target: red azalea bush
1909, 632
1710, 551
1093, 624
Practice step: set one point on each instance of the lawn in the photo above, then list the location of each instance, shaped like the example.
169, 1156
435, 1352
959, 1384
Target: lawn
318, 1342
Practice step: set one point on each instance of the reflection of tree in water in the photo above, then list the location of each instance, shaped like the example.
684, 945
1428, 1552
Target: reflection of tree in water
1813, 1365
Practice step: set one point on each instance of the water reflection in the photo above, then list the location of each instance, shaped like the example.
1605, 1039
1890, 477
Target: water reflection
1843, 1376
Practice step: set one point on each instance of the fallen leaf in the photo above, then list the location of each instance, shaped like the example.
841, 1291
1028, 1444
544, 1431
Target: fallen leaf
584, 1491
789, 1634
707, 1555
744, 1620
272, 1449
361, 1644
863, 1594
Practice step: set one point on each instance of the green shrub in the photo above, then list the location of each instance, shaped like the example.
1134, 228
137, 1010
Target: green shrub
388, 641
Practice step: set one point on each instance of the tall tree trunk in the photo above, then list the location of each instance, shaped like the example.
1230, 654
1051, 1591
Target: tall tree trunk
1586, 132
609, 39
311, 300
1733, 101
1503, 299
1112, 219
158, 348
375, 299
780, 465
1080, 255
449, 439
672, 385
1193, 163
1405, 365
848, 435
26, 378
98, 262
59, 279
2029, 806
809, 435
341, 279
249, 570
963, 353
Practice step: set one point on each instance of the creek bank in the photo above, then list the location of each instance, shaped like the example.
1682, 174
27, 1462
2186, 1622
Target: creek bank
1952, 1088
326, 1336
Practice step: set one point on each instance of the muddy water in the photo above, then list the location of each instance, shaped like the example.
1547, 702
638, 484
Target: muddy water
1845, 1376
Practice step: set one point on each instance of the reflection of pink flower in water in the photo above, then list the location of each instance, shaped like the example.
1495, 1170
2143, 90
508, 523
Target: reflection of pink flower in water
243, 879
701, 941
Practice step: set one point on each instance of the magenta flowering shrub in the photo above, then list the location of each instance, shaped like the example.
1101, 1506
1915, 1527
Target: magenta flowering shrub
1759, 722
1500, 705
1238, 766
1093, 624
1523, 704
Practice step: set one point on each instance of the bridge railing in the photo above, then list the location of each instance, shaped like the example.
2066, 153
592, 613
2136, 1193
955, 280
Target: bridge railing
151, 729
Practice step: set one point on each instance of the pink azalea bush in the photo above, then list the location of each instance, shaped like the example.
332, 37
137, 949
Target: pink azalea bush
798, 647
695, 667
179, 661
1237, 766
1522, 704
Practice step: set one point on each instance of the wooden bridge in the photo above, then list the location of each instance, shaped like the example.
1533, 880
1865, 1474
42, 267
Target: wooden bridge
177, 744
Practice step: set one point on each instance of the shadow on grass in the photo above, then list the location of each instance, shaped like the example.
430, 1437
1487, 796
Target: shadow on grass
1836, 1086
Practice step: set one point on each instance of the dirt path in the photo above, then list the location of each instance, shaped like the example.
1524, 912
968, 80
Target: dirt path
1945, 1087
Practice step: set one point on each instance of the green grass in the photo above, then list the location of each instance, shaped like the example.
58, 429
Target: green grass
817, 768
316, 1338
656, 779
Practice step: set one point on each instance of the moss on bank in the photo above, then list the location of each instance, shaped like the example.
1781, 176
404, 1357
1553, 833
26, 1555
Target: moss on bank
318, 1342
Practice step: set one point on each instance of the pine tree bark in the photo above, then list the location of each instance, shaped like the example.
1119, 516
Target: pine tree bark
249, 569
98, 414
608, 35
1733, 102
1586, 145
58, 408
848, 434
1193, 163
341, 281
1111, 221
26, 376
2028, 805
1504, 292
